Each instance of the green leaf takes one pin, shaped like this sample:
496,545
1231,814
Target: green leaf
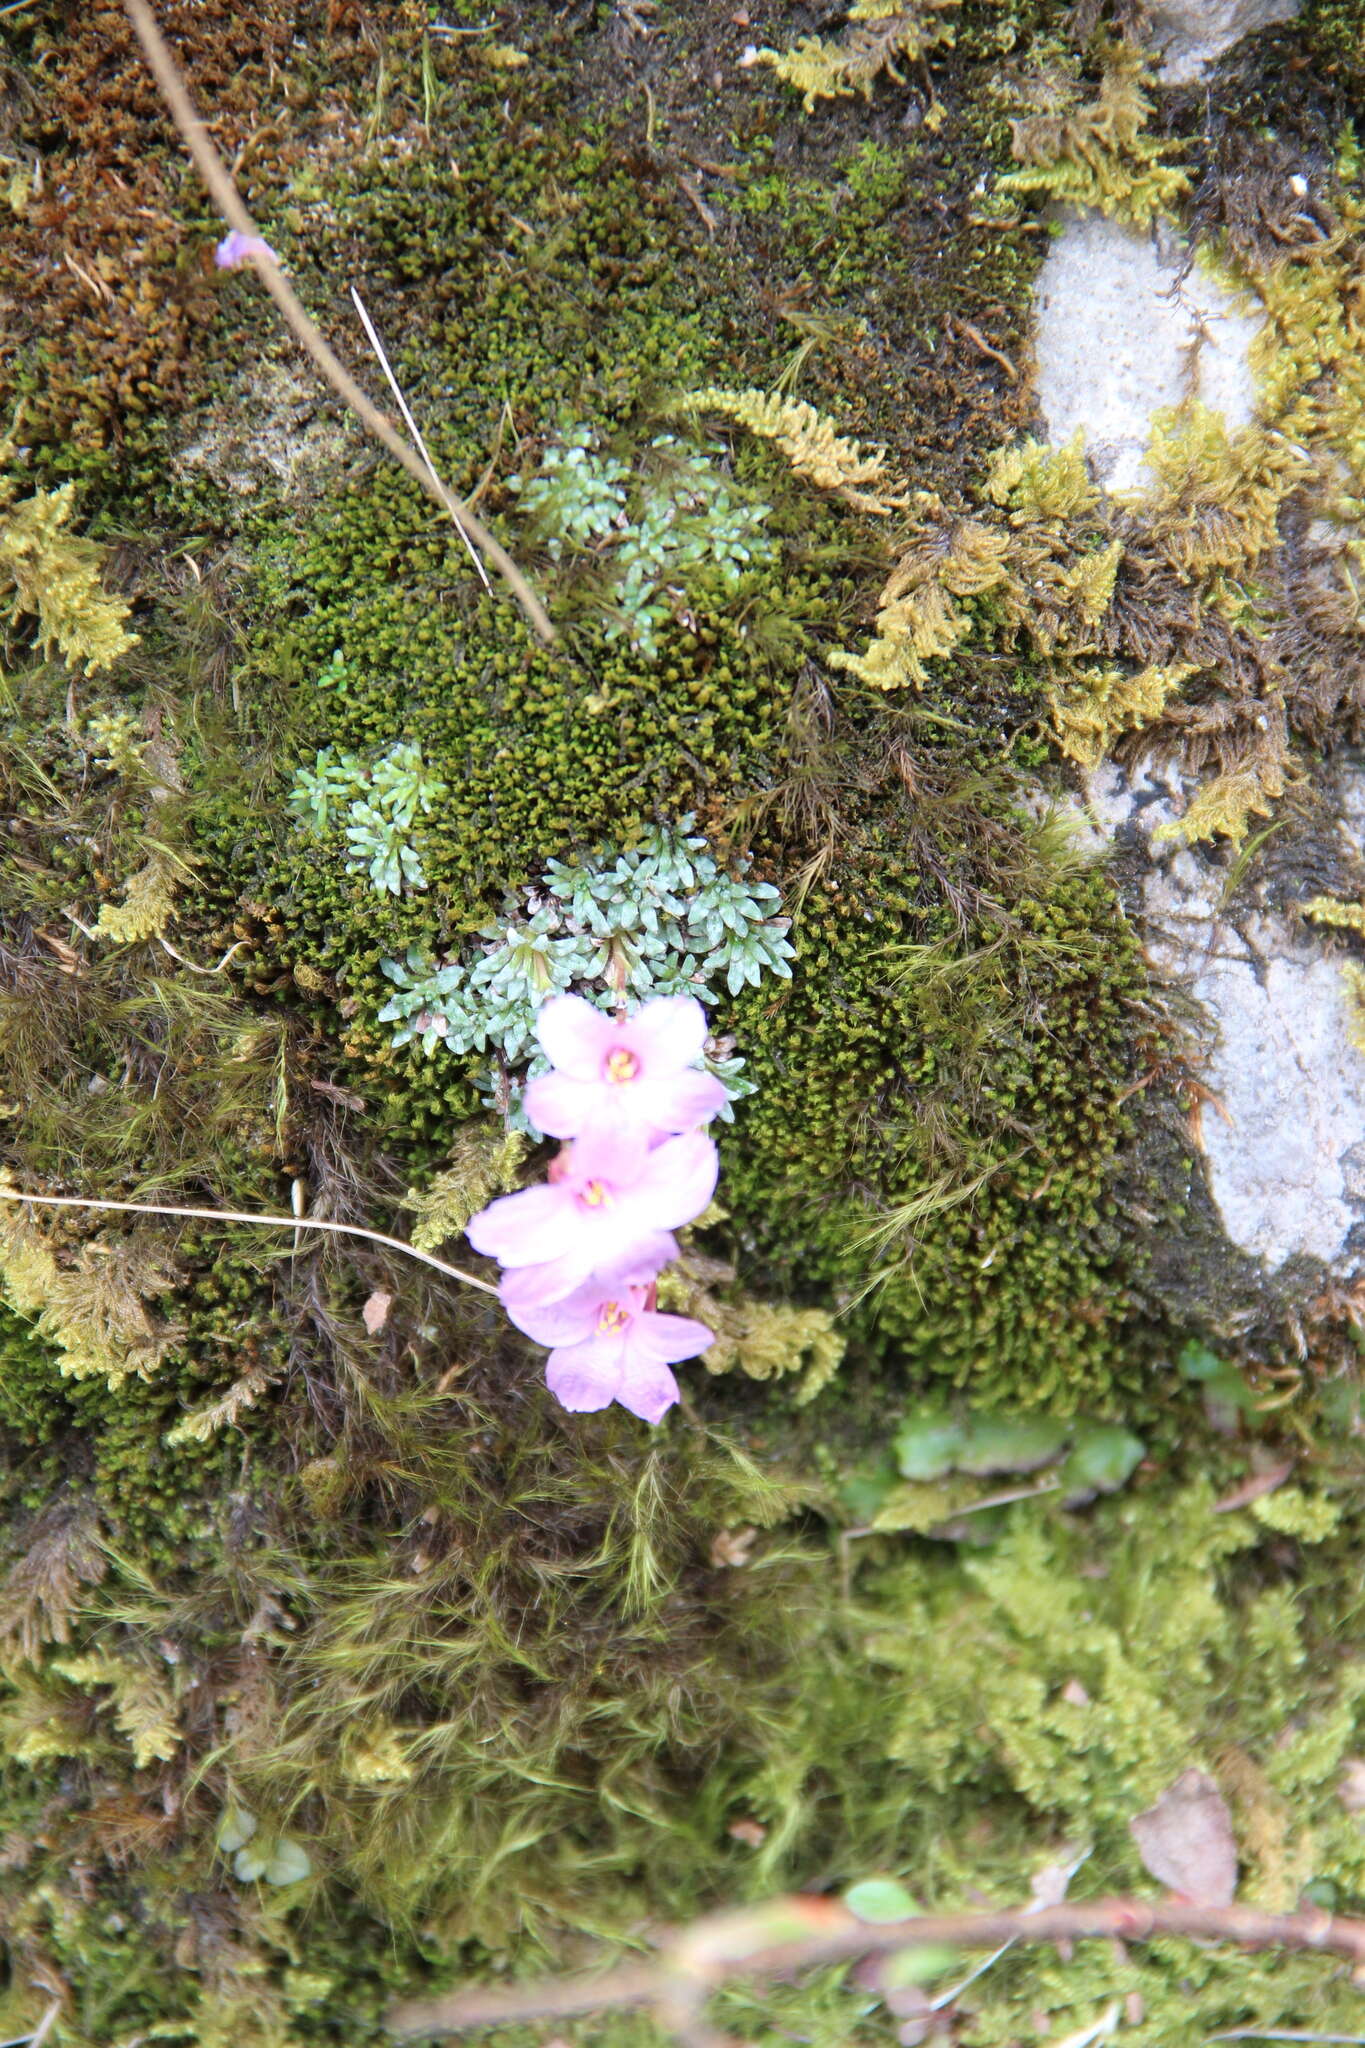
1226,1394
1103,1458
1197,1362
879,1901
927,1443
920,1505
1001,1443
290,1863
278,1862
916,1966
1341,1399
250,1863
862,1493
235,1829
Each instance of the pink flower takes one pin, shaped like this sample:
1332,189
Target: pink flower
612,1348
636,1069
548,1281
608,1207
237,248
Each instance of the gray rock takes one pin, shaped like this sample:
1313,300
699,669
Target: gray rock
279,429
1191,34
1117,330
1284,1141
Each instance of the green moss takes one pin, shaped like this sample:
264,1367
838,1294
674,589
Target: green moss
986,1706
1335,30
1094,154
938,1113
511,1677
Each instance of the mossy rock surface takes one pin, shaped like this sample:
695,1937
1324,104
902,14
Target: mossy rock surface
339,1664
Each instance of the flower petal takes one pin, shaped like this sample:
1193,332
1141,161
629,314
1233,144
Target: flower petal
522,1229
649,1391
585,1377
635,1263
678,1103
666,1035
537,1286
614,1153
656,1339
574,1037
641,1264
678,1180
237,248
566,1321
561,1104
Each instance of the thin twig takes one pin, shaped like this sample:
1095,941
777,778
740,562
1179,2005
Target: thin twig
688,187
377,345
996,355
797,1932
228,200
194,966
46,2023
294,1223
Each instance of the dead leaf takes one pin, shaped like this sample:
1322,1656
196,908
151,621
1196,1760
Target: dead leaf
752,1833
345,1096
1254,1488
1049,1885
375,1313
731,1547
1098,2030
67,958
266,1622
1186,1841
1352,1791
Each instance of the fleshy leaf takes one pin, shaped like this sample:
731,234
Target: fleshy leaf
879,1901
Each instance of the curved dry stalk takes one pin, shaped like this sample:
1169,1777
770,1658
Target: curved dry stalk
228,200
296,1223
797,1932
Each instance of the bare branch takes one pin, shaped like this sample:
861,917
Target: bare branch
798,1932
228,200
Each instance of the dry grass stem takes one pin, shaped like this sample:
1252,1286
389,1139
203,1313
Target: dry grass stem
294,1223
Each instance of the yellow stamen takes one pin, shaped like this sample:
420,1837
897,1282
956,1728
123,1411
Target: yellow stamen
622,1065
611,1318
597,1195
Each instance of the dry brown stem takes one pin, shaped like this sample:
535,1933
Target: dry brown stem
796,1933
295,1223
228,200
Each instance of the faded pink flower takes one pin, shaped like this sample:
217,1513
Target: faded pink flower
638,1265
637,1069
608,1207
612,1348
236,248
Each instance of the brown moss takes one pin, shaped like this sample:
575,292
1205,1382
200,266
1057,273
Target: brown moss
106,277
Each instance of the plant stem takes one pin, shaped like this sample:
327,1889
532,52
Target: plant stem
798,1932
294,1223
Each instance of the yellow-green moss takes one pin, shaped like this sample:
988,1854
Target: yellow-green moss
1094,153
